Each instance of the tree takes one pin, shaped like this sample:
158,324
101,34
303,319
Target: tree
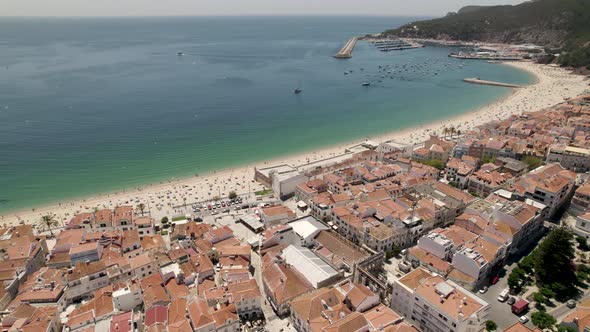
515,278
232,195
582,243
543,320
164,220
141,207
566,329
539,298
547,292
491,326
48,222
435,163
554,265
532,162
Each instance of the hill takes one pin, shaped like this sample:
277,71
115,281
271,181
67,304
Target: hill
557,24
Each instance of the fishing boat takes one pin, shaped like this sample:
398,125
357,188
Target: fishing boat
366,84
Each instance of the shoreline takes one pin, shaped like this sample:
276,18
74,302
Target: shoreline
551,86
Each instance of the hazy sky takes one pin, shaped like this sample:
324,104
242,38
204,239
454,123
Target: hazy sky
234,7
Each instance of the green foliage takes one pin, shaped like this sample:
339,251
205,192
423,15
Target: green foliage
515,277
164,220
554,262
179,218
263,192
164,233
435,163
577,57
565,21
487,160
547,292
232,195
566,329
543,320
532,162
491,326
582,243
527,263
539,298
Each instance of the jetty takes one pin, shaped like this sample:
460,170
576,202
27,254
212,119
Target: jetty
346,50
484,82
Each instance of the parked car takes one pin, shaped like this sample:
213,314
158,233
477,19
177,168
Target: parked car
503,295
571,304
511,301
523,319
494,280
483,290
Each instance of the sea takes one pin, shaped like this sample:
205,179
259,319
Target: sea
90,105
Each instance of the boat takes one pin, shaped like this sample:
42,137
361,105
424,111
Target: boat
366,84
180,54
297,91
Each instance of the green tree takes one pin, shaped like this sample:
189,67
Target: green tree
543,320
141,207
547,292
490,160
539,298
515,277
566,329
48,222
435,163
232,195
491,326
527,263
554,262
532,162
164,220
582,243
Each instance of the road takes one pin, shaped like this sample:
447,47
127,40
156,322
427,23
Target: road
501,311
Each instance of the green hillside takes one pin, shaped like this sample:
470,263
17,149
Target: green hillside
563,25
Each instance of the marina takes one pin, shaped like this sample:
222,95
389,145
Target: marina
387,45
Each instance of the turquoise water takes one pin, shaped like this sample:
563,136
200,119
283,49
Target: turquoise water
93,105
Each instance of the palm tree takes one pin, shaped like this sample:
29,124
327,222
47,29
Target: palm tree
452,131
48,222
445,132
141,207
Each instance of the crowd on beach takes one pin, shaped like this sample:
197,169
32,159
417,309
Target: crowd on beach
177,196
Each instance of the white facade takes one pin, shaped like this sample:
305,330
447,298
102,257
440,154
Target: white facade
436,244
284,184
125,299
313,268
583,226
444,314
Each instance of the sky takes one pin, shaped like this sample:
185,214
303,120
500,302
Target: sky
236,7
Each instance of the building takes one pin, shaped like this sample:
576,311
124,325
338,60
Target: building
314,269
283,283
484,182
550,185
275,215
283,179
570,157
582,227
438,305
128,297
581,200
85,252
84,278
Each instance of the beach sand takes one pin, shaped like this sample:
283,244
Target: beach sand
552,86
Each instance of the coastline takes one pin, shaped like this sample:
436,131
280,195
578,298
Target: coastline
551,87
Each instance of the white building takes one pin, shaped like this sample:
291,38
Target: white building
307,228
571,157
313,268
583,226
85,278
437,305
127,298
436,244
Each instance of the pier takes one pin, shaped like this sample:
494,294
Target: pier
346,50
484,82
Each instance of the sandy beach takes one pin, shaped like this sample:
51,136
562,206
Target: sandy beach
552,86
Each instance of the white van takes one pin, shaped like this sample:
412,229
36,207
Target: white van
503,296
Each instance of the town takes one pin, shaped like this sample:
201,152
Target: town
485,229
